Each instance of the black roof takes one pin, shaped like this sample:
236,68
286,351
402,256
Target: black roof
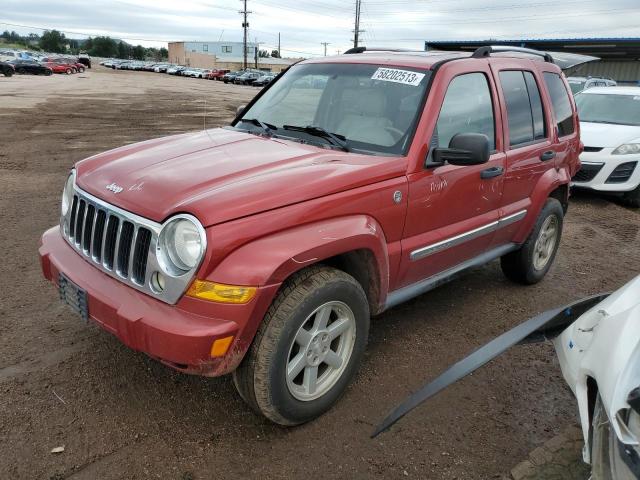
605,48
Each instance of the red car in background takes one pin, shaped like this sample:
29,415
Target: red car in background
217,74
61,65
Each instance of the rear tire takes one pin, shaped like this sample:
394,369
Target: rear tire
632,198
531,262
293,374
68,71
8,72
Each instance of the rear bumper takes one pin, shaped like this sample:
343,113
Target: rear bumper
178,335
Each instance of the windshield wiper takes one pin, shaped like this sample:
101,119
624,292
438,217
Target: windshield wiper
337,140
266,127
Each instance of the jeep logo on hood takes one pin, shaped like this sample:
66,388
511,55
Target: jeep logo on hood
114,188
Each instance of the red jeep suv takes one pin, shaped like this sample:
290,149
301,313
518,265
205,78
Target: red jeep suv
347,186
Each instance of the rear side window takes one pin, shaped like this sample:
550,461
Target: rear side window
561,103
524,107
467,108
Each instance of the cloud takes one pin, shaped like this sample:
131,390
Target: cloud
304,24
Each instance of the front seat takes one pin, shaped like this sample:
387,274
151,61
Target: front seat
365,121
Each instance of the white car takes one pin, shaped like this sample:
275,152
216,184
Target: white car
578,84
600,359
610,131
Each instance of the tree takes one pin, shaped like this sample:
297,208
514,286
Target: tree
123,50
263,53
53,41
275,54
103,47
138,52
164,54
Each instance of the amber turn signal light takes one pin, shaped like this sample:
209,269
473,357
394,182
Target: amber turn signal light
220,346
218,292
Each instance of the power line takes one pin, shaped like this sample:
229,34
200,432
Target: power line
325,47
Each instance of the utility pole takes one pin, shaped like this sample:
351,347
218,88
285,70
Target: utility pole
356,30
325,47
279,54
245,26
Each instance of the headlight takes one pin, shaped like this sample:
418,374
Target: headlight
181,245
627,149
67,193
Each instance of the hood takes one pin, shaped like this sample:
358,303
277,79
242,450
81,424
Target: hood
606,135
219,175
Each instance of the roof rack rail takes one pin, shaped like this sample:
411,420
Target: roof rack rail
484,52
377,49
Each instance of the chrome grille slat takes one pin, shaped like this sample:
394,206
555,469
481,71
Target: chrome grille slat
79,223
116,248
94,228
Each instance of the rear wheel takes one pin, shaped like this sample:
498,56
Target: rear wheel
68,71
308,347
608,454
8,72
48,72
632,198
531,262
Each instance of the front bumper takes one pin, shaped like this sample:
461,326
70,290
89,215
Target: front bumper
178,335
597,170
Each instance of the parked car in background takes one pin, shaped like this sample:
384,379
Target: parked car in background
579,84
610,131
7,69
176,70
246,78
230,76
31,67
162,67
279,236
58,65
217,74
263,80
203,73
85,59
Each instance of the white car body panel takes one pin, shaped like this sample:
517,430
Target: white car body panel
604,345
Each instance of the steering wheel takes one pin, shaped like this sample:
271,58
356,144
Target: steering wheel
397,134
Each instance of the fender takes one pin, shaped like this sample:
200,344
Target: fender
272,259
551,180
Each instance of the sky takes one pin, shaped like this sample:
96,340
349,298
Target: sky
305,24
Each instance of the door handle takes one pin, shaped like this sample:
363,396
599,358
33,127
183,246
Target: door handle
550,155
491,172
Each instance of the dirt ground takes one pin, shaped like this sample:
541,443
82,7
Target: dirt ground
119,414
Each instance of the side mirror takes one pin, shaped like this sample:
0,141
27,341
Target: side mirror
240,109
464,149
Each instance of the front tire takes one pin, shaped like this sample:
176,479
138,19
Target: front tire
607,453
308,347
531,262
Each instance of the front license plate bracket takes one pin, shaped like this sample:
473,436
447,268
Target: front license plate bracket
74,296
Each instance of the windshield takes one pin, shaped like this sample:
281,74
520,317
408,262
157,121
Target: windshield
609,108
576,85
373,108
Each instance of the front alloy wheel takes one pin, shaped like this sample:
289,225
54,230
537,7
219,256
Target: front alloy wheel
320,351
308,347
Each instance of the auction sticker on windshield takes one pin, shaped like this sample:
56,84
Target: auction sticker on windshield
398,76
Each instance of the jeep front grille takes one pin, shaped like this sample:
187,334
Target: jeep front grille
121,244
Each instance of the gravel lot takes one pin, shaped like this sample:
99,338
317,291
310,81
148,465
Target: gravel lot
119,414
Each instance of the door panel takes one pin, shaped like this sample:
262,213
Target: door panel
529,158
452,209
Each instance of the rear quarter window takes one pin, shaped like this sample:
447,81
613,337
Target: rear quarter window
560,103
